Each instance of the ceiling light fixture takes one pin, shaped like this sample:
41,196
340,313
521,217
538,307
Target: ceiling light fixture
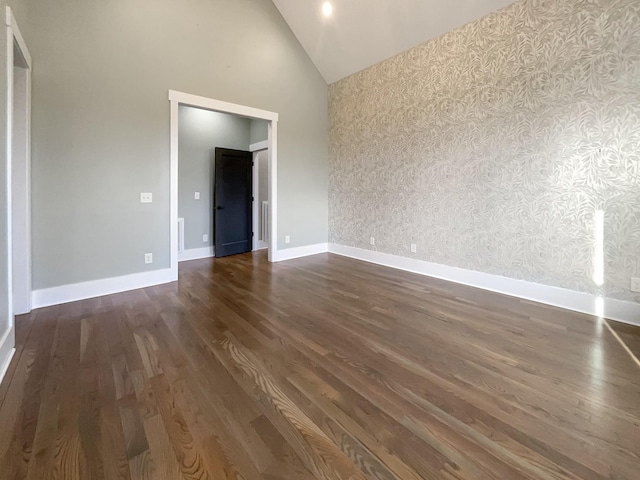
327,9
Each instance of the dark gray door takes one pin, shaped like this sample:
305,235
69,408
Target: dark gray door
232,221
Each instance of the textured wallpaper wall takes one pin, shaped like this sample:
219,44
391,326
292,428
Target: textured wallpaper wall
494,147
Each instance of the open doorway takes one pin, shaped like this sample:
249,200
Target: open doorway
18,186
215,188
266,121
21,178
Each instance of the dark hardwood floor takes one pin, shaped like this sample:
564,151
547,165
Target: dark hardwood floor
318,368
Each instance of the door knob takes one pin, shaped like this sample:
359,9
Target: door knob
219,207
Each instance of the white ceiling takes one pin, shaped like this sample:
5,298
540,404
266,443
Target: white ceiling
361,33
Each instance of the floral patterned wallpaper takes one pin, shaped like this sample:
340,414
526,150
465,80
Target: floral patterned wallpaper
493,147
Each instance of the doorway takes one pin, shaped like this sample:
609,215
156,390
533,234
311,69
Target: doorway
21,179
178,99
18,187
201,132
19,166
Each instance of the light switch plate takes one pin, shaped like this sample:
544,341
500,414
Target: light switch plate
196,195
146,198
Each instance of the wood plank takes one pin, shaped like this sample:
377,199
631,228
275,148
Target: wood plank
321,367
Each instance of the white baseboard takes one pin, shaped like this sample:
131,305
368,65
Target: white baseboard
195,254
627,312
260,245
7,349
298,252
97,288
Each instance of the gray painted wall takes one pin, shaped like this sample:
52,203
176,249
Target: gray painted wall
101,123
494,146
259,130
200,132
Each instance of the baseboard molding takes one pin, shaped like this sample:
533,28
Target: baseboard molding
195,254
627,312
7,349
298,252
98,288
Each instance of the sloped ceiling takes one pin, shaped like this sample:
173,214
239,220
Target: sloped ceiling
361,33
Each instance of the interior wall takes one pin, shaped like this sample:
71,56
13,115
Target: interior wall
199,133
259,130
494,147
101,123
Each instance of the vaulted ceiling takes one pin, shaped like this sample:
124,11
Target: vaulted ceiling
361,33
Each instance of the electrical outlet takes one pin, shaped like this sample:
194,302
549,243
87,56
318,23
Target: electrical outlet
372,240
287,239
148,258
196,196
146,198
205,238
414,248
635,284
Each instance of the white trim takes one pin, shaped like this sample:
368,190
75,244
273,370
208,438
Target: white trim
9,173
11,22
255,194
298,252
195,254
272,172
7,343
180,237
627,312
173,193
180,98
220,106
255,147
99,288
7,350
21,190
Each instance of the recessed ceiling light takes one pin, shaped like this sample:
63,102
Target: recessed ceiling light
327,9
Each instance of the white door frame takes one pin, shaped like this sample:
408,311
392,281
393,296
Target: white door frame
18,170
180,98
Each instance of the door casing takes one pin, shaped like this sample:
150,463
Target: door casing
176,99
